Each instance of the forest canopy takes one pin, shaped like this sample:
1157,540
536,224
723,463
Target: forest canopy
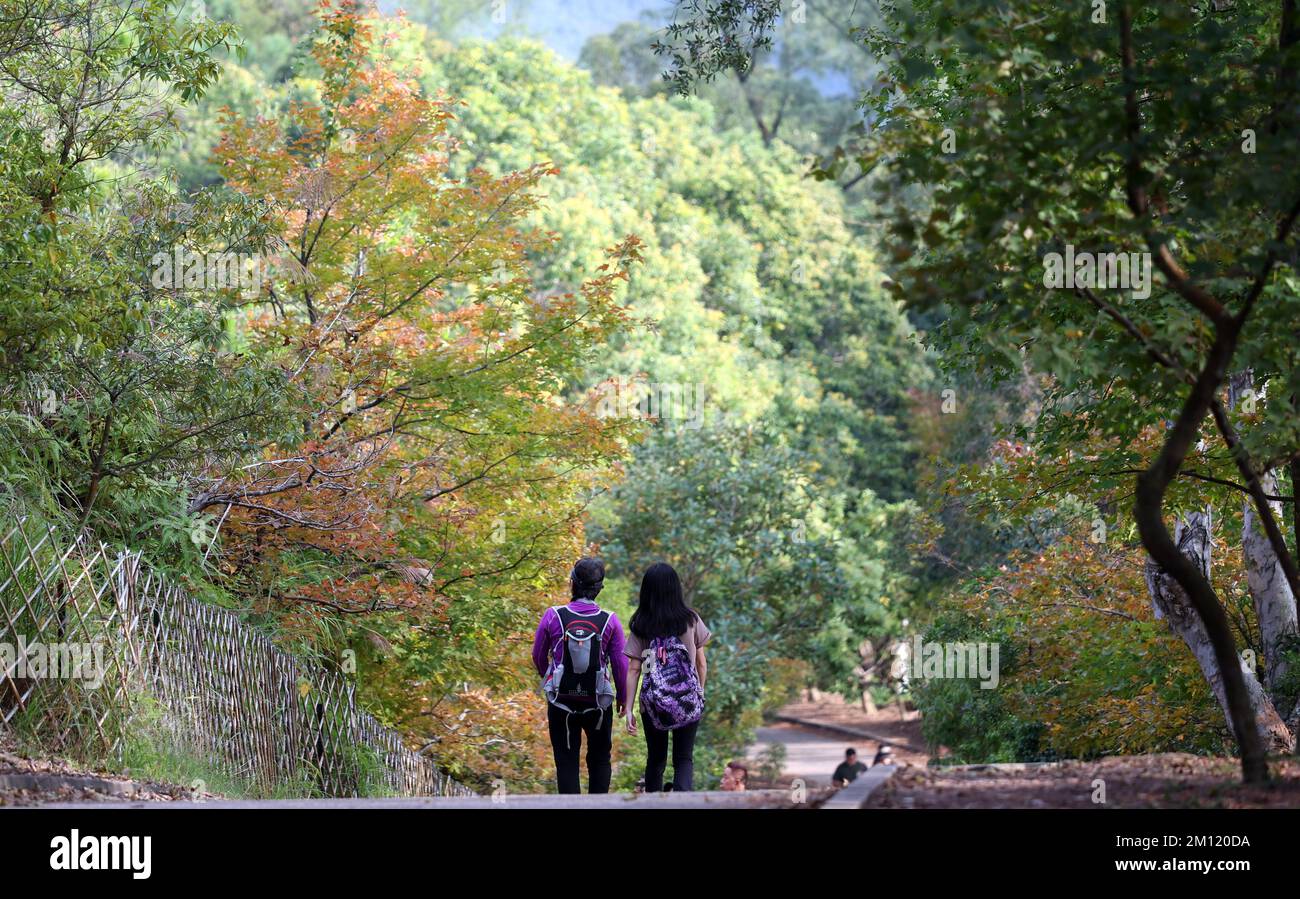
962,323
367,333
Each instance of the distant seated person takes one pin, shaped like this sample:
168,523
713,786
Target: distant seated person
735,777
884,755
848,770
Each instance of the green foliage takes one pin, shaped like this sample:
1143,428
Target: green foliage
128,405
771,762
117,389
757,290
731,510
629,760
772,567
791,90
150,755
758,297
1083,670
786,679
976,725
1004,138
1015,120
1013,138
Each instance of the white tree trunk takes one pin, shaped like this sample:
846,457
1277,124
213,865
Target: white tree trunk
1193,536
1275,606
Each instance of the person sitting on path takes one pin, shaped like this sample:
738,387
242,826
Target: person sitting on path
735,777
848,770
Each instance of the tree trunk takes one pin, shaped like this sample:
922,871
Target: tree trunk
1149,515
1270,592
868,704
1275,606
1193,538
1294,468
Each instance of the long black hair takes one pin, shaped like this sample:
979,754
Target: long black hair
662,609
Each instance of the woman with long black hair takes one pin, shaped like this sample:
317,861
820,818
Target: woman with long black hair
667,640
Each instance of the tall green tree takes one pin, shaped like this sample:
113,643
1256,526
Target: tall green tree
795,88
1161,131
779,569
117,388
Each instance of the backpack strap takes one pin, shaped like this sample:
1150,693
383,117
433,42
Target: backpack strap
609,616
600,638
557,651
564,612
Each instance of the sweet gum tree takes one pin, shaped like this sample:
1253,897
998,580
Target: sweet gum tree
439,469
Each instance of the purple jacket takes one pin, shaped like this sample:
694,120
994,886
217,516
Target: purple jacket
546,644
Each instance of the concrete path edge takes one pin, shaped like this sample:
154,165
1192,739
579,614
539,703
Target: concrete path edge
856,794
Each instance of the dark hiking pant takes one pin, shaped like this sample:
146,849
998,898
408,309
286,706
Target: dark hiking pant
566,740
656,758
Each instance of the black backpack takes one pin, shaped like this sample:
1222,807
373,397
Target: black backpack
577,680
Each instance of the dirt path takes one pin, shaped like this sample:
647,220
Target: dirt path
26,781
1169,780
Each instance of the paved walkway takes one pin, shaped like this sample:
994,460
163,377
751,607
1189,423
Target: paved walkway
810,755
750,799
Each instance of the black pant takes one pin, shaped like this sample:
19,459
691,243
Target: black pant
656,757
566,741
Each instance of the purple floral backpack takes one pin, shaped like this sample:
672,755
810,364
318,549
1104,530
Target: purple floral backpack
671,695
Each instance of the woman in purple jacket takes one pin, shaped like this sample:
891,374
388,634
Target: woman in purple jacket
573,645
